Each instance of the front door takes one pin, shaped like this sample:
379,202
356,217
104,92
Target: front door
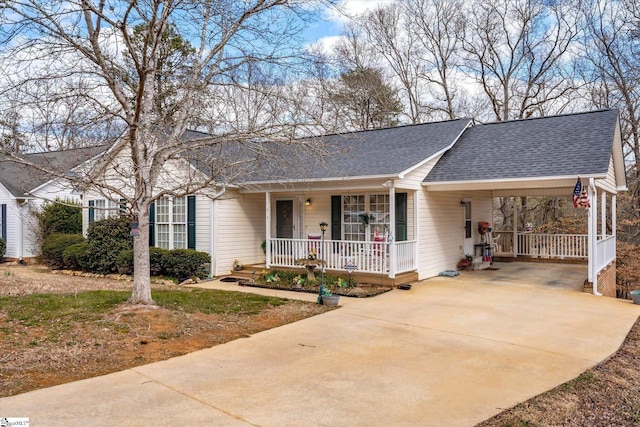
284,219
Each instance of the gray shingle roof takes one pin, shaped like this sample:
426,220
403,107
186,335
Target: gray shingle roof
573,144
19,179
380,152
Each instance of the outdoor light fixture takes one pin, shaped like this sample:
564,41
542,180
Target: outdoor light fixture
307,202
323,228
463,203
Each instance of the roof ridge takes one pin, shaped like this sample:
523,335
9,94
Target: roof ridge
66,150
407,125
604,110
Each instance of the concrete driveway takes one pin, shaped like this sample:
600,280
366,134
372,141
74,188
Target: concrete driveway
451,351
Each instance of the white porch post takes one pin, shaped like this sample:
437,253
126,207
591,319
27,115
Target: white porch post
267,215
603,214
416,229
392,232
515,227
614,214
592,193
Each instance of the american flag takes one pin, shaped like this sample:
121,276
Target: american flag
576,193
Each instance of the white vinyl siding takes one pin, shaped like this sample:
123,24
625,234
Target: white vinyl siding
239,224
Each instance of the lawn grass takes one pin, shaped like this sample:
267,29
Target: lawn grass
40,309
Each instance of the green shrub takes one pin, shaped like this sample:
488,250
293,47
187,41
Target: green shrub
185,263
53,248
75,257
157,258
3,248
124,262
107,238
60,217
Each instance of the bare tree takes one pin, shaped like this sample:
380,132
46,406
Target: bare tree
515,48
83,41
612,69
439,27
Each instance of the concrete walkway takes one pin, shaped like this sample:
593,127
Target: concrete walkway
449,352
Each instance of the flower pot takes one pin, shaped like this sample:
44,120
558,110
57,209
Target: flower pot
330,300
635,296
237,268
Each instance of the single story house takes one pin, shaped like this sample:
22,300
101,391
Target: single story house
24,188
403,203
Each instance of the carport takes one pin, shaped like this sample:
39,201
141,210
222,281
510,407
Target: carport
504,160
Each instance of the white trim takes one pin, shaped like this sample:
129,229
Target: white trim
267,216
212,245
510,180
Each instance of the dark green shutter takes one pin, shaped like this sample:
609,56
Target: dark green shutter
3,218
92,211
191,222
152,224
123,207
336,217
401,217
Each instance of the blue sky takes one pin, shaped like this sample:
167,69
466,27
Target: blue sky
334,19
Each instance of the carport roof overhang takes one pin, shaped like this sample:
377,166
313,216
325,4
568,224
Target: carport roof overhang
551,185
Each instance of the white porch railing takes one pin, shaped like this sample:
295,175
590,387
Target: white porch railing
543,245
606,251
368,257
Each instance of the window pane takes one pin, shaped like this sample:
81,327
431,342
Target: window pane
179,236
162,210
99,211
179,210
353,208
380,217
162,236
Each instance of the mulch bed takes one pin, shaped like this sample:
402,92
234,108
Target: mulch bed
360,291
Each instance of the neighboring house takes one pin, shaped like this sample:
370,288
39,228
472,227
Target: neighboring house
23,189
404,203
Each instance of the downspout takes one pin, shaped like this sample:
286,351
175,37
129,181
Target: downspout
593,231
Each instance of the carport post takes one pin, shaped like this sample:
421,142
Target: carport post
515,228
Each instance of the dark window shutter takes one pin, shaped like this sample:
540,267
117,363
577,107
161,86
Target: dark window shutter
92,211
191,222
152,224
401,217
3,218
336,217
123,208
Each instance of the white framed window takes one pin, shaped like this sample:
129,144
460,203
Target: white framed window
101,209
353,207
379,214
171,223
374,206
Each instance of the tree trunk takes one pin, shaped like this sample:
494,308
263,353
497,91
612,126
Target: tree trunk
141,292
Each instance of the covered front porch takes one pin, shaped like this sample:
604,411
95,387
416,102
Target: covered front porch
371,231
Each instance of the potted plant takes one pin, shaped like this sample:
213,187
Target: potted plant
328,298
237,265
635,296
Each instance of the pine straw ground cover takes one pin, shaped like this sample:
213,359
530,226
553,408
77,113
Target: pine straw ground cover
58,328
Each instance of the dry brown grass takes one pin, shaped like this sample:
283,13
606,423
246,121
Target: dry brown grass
37,354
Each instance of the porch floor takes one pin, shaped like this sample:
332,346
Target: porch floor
533,274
